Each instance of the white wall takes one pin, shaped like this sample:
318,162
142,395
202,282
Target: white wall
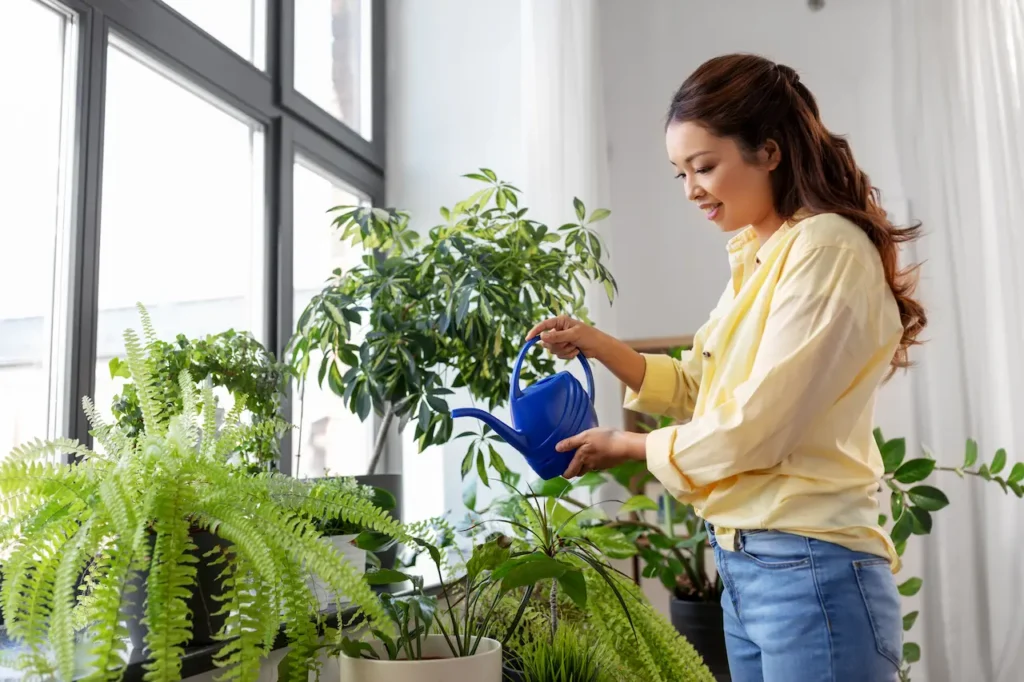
672,268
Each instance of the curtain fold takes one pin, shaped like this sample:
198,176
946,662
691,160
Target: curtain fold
566,150
959,67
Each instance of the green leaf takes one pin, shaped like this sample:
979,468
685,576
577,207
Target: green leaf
1016,473
910,587
612,542
486,557
970,453
922,521
467,461
372,541
1016,488
928,498
915,470
497,462
481,469
386,576
574,584
984,472
998,462
555,487
909,620
119,368
911,652
469,493
879,438
896,505
490,174
893,453
581,211
532,572
903,528
638,503
599,215
590,480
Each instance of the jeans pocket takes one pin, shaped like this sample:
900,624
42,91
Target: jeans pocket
882,601
775,550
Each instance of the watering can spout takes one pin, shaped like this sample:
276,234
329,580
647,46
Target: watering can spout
506,432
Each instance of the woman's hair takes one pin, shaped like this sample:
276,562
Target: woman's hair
751,99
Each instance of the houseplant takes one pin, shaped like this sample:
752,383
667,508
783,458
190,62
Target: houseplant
350,538
126,524
234,361
446,308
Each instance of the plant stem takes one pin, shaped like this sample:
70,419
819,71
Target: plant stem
519,614
302,409
553,600
378,446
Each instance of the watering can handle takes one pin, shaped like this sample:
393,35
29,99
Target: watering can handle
517,392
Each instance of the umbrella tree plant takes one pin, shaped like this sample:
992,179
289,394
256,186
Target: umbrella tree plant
444,309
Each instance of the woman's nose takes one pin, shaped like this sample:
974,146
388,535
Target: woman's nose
693,190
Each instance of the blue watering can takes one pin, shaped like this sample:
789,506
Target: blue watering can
548,411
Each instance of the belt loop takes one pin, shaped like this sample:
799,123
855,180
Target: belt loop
737,540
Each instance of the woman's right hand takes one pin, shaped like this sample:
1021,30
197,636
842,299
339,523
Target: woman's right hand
566,337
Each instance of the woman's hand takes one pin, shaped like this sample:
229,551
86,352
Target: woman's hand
566,337
602,448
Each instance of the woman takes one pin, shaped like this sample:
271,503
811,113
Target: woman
778,456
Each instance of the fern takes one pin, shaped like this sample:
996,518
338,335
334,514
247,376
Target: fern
657,652
126,519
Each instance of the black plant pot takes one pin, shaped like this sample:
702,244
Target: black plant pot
700,622
510,666
393,484
201,602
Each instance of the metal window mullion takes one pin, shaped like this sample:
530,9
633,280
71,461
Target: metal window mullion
85,239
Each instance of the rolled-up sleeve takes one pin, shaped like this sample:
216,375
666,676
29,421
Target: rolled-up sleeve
817,339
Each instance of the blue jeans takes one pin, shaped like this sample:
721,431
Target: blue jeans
803,610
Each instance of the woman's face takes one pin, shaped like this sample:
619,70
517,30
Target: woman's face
731,189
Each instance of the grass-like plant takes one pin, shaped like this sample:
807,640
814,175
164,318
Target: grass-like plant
128,515
569,657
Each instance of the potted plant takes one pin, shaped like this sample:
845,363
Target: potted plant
443,309
234,361
350,538
571,656
160,529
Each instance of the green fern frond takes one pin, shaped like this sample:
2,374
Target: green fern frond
143,378
325,502
247,611
148,331
108,635
209,419
172,573
190,410
110,437
62,634
657,652
51,451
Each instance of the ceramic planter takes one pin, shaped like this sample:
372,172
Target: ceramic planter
352,554
485,666
393,484
700,622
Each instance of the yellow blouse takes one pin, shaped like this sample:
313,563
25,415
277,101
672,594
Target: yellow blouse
779,389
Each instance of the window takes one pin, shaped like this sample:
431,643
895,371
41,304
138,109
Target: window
182,220
333,440
37,50
333,59
239,24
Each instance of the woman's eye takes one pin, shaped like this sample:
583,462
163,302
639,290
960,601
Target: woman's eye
706,169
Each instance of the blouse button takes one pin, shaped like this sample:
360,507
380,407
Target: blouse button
707,354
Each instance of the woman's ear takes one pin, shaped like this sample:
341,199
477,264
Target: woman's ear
770,155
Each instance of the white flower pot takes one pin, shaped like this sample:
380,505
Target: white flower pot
485,666
351,553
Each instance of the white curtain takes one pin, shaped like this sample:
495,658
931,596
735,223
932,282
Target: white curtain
565,139
960,125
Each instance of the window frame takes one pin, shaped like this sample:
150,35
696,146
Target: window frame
292,124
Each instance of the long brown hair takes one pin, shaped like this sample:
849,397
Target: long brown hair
753,100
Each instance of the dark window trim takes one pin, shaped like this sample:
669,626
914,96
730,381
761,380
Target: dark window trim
370,151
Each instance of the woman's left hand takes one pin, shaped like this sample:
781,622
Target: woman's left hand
602,448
